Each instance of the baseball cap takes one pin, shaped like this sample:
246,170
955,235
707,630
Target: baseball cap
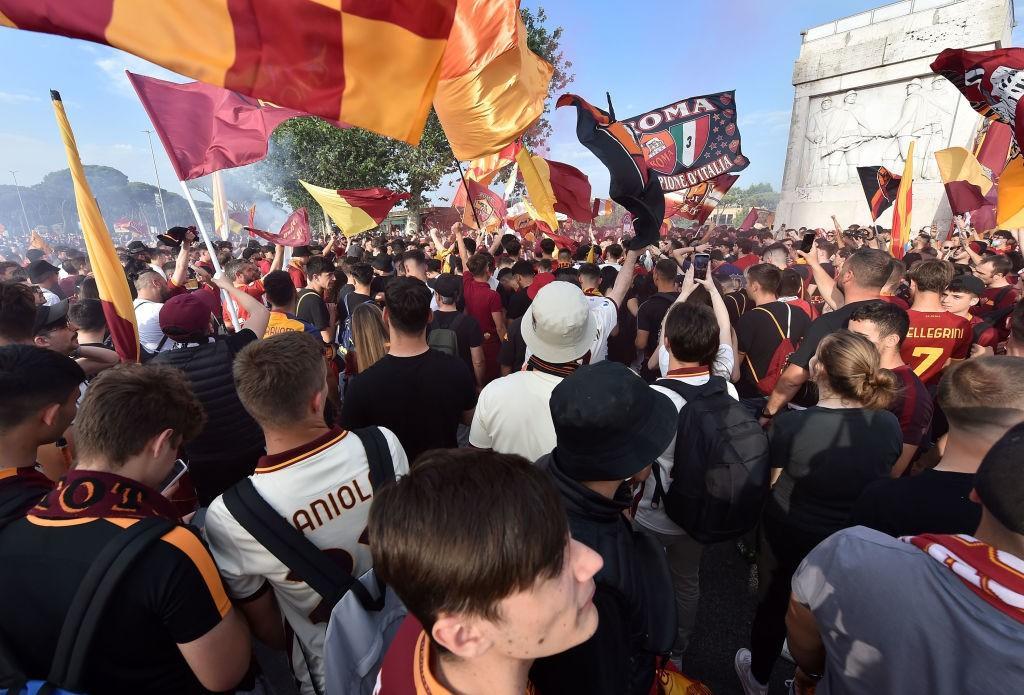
137,247
448,285
49,314
558,327
726,270
541,281
186,315
38,270
967,283
609,424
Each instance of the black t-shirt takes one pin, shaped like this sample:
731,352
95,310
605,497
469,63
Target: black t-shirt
819,328
737,303
421,399
518,303
758,337
172,595
929,502
311,308
828,456
512,353
20,490
650,315
467,331
380,283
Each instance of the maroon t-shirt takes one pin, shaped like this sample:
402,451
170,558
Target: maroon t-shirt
913,406
481,302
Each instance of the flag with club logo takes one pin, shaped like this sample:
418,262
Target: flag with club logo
691,141
372,64
355,210
478,202
880,187
992,81
111,282
697,202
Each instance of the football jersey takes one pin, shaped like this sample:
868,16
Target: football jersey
323,490
934,338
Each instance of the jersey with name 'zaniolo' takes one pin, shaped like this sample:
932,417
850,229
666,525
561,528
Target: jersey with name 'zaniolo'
323,490
934,338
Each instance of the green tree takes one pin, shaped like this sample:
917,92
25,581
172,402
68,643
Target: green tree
547,44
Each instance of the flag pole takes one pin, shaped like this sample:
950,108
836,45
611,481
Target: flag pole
469,196
225,297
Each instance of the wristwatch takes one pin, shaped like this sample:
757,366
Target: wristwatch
765,414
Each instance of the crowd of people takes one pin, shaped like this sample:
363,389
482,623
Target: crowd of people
530,447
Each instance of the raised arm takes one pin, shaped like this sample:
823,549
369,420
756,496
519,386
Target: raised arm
463,253
259,315
624,279
181,262
827,286
278,261
721,313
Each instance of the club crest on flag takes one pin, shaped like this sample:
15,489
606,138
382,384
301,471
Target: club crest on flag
691,141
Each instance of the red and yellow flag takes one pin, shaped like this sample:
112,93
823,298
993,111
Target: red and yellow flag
904,203
492,86
540,195
484,169
111,281
355,210
371,63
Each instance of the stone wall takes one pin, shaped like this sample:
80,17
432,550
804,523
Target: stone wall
864,91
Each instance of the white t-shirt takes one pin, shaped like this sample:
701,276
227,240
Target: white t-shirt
49,298
654,518
147,315
323,489
725,359
607,316
512,415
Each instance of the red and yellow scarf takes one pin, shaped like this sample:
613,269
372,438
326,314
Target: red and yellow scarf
92,494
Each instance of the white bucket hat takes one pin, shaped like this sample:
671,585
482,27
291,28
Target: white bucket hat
558,327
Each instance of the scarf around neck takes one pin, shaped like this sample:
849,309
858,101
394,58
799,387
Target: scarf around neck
994,575
91,494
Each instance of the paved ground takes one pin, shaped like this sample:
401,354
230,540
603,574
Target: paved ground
727,604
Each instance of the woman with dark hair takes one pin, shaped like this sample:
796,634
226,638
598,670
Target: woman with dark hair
822,457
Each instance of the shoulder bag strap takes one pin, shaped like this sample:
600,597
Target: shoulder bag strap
93,596
774,320
378,455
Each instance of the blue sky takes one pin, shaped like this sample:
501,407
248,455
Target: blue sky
645,52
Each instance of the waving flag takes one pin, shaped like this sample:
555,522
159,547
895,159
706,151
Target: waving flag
484,169
994,148
222,222
602,207
492,86
991,80
36,242
904,204
966,182
537,177
206,128
632,186
111,282
572,191
371,63
358,209
294,232
697,202
880,187
480,203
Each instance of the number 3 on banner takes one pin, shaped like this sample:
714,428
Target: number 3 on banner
931,356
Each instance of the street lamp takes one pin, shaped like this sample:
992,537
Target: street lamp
28,227
159,190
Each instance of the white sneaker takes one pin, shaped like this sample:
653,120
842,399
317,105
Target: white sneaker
747,680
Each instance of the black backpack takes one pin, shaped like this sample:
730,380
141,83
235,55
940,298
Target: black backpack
721,464
446,340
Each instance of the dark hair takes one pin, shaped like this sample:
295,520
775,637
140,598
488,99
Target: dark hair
790,283
511,245
568,275
32,378
871,268
692,333
608,275
470,244
1001,265
613,251
87,315
767,276
129,404
666,269
317,265
547,245
999,481
931,276
454,536
889,318
524,268
17,311
478,264
983,392
279,288
88,289
408,304
434,265
590,271
415,255
276,377
567,252
361,273
745,245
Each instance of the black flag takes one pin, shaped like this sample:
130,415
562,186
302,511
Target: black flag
880,187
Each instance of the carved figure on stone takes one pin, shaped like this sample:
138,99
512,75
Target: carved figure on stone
815,171
921,118
848,130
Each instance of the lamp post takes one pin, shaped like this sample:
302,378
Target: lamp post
28,227
159,190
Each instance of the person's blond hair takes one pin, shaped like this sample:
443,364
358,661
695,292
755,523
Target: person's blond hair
849,365
369,334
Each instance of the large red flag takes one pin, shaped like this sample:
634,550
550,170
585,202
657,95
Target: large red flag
294,232
206,128
989,79
749,220
994,149
489,207
572,191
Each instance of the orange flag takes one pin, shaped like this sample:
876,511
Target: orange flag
904,203
111,281
492,86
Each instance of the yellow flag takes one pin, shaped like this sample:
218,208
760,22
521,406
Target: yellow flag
904,203
222,222
541,197
111,282
355,210
1010,208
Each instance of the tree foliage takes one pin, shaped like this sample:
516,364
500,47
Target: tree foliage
546,43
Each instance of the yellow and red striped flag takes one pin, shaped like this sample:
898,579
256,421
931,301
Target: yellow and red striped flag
484,169
355,210
904,203
540,195
492,86
111,281
370,63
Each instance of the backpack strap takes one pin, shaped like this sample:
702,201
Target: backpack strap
457,321
378,454
97,588
782,335
690,392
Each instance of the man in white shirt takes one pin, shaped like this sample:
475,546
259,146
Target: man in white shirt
316,477
697,342
152,290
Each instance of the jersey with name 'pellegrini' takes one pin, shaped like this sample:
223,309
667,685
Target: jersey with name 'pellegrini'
934,338
323,490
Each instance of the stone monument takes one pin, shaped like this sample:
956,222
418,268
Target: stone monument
864,91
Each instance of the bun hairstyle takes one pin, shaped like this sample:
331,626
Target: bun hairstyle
848,364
